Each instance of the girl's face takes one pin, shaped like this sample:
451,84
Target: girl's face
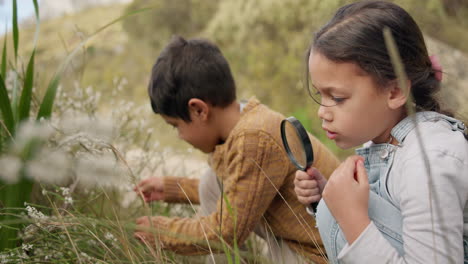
360,111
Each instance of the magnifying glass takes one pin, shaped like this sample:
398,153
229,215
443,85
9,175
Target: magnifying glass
298,146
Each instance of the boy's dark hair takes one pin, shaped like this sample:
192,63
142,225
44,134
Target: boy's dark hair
186,69
355,34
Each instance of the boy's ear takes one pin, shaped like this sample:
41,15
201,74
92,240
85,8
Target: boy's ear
198,109
398,96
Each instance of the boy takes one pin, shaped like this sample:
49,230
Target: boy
192,88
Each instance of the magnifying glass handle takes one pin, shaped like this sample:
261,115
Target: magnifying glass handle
314,207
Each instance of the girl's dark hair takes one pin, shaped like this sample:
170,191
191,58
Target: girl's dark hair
355,34
187,69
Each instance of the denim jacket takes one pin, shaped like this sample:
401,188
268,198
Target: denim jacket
418,213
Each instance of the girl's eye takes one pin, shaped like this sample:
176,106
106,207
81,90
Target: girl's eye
338,99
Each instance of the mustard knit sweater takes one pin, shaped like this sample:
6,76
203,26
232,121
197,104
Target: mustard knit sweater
257,183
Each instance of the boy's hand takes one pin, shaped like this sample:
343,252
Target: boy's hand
142,233
152,189
309,185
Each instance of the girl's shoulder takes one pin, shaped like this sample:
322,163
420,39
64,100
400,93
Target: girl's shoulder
435,138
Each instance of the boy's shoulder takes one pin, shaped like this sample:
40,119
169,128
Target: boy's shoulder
258,117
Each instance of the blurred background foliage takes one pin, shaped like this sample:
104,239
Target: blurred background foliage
264,41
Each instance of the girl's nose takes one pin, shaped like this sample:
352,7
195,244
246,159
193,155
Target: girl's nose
324,113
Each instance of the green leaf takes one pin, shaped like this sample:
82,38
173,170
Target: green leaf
25,100
4,58
38,22
15,28
36,8
2,143
5,106
15,96
45,110
13,197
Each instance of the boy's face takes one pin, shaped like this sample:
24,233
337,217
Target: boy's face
197,133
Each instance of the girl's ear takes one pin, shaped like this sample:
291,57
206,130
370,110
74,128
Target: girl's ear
198,109
398,96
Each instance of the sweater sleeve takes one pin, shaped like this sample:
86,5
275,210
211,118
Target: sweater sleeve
181,190
432,209
254,172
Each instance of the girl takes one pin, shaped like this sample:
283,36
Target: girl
404,198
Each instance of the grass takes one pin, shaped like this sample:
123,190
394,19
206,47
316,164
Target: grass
91,222
85,223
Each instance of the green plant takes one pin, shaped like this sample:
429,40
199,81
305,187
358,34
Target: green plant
14,111
16,108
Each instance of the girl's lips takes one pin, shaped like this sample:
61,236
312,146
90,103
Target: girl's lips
331,135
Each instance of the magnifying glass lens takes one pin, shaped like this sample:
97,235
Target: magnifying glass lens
296,146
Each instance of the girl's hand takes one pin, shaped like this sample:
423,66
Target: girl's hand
347,197
152,189
309,186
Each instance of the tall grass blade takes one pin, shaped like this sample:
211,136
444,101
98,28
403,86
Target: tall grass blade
5,107
26,94
14,196
38,22
15,29
233,214
15,96
399,69
4,58
45,110
7,192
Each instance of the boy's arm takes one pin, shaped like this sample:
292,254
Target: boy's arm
181,190
257,168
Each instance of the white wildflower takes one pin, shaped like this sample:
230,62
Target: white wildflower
26,247
102,129
11,166
23,256
68,200
29,131
49,167
30,232
103,171
65,191
85,256
35,214
92,243
4,258
109,236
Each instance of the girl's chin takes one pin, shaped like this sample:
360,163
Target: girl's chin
344,145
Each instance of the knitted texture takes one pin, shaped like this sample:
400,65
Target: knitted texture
257,183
